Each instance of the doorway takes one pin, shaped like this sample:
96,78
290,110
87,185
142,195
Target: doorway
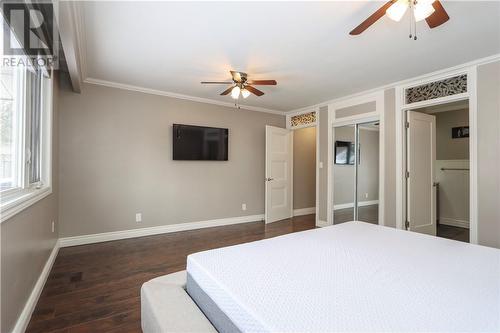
437,170
356,155
290,172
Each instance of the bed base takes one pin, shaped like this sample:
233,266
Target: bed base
167,307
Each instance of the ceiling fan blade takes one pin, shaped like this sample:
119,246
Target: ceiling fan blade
254,91
227,91
372,19
237,75
263,82
215,82
439,16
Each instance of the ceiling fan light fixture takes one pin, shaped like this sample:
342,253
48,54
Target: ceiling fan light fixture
245,93
422,10
397,10
235,93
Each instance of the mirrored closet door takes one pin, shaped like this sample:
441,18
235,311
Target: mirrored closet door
356,173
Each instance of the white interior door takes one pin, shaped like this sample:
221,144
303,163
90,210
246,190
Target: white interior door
421,157
279,177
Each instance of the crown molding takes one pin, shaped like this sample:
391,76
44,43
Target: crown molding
117,85
477,62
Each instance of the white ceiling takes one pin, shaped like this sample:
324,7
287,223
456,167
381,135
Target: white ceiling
305,46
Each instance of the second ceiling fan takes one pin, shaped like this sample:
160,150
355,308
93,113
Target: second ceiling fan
242,86
431,10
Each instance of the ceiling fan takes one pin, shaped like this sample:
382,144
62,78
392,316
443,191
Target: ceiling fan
240,85
431,10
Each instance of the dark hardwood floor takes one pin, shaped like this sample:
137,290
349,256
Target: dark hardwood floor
370,214
96,287
366,214
450,232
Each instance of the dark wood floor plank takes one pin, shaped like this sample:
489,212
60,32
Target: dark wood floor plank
96,287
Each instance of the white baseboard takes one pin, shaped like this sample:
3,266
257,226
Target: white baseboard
304,211
29,307
351,204
140,232
322,224
454,222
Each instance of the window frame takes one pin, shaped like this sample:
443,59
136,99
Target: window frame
14,200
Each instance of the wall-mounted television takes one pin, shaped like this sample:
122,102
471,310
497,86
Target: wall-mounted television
198,143
345,153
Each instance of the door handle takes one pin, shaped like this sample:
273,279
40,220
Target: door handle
269,179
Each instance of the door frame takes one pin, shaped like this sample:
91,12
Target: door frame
315,124
402,106
376,115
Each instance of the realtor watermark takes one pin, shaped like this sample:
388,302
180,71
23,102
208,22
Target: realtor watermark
30,36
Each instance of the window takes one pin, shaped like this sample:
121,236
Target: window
25,115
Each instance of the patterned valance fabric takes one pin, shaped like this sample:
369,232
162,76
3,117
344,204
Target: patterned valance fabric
303,119
447,87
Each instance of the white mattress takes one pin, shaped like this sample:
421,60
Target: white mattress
353,277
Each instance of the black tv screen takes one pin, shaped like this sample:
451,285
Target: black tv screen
197,143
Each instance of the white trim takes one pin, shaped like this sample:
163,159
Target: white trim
304,211
317,167
356,119
117,85
25,316
18,199
379,98
23,201
351,204
401,106
473,160
132,233
68,19
436,101
322,224
81,38
454,222
477,62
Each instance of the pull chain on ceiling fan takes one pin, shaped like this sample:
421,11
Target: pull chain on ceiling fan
241,86
432,11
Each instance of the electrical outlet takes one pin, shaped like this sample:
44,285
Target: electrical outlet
321,165
366,195
53,226
244,206
138,217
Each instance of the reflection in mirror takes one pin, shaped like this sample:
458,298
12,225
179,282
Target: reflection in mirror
343,174
368,172
356,187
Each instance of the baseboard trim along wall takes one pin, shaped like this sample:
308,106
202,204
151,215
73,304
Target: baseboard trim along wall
322,224
140,232
351,204
454,222
29,307
304,211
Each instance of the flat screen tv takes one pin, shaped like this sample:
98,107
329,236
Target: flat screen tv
344,153
197,143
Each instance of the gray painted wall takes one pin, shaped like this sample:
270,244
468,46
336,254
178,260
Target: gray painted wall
304,168
356,109
446,147
323,158
116,161
368,176
488,121
390,157
27,241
